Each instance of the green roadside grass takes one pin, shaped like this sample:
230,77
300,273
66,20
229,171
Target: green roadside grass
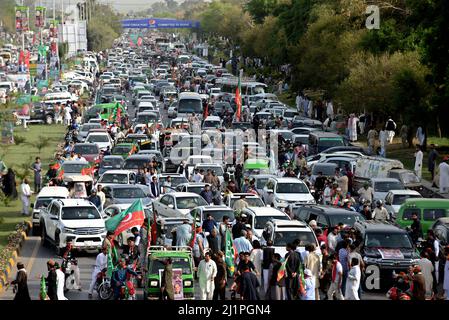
16,156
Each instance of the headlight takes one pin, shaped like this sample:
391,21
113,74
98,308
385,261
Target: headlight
67,230
311,202
153,283
280,201
187,283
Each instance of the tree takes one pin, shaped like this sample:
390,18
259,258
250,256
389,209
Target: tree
260,9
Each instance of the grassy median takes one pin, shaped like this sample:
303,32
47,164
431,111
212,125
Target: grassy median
22,155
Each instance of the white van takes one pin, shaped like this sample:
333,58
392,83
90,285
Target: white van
43,199
188,103
59,97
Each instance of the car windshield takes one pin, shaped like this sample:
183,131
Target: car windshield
157,265
111,163
291,188
409,177
325,169
123,193
252,202
196,190
121,149
193,161
190,106
218,170
79,213
190,202
97,138
73,167
87,127
175,181
261,182
302,140
84,149
114,178
346,219
284,237
135,163
387,186
42,202
261,221
218,214
388,240
145,118
330,142
400,199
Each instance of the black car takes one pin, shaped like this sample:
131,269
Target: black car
325,216
42,113
386,250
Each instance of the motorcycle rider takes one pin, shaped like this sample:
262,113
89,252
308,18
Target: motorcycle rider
67,257
120,278
380,213
101,262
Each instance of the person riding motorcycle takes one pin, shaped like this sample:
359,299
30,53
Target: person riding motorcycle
120,279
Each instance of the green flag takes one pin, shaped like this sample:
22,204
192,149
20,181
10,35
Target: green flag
230,253
43,289
110,265
281,271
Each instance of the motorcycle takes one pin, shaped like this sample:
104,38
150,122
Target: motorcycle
103,286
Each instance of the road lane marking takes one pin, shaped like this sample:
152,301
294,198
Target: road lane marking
33,255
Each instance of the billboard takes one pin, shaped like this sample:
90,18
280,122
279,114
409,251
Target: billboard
154,23
40,17
22,18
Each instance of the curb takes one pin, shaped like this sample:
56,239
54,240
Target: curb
5,274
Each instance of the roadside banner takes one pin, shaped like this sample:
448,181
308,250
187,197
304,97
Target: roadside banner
22,14
39,21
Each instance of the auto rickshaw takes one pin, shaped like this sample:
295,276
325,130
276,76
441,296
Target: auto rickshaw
80,187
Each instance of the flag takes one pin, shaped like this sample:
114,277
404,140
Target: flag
127,219
153,234
230,253
110,264
88,170
139,41
238,99
302,282
60,173
193,238
43,289
281,272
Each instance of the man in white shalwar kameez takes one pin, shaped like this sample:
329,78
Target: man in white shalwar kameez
207,270
101,262
444,175
353,281
352,127
418,162
60,282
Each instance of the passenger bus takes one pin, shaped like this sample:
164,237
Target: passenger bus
250,88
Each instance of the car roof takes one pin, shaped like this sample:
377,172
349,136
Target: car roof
384,180
118,172
288,180
215,208
75,202
404,192
374,226
290,224
53,192
266,211
444,220
183,194
247,195
427,201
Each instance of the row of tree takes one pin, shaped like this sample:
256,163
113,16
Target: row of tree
400,69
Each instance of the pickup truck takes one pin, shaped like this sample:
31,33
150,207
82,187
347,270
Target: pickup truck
72,219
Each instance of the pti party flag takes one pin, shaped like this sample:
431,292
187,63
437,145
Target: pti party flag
153,230
139,41
238,99
110,264
43,289
281,272
302,282
230,252
127,219
193,238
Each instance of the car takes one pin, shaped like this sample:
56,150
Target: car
304,130
77,220
441,230
280,192
382,186
212,122
428,211
125,149
182,264
320,141
177,204
117,177
74,167
126,193
84,129
386,247
260,180
407,177
251,199
90,151
282,232
217,212
138,161
325,216
195,187
259,216
43,199
101,139
395,198
176,179
110,163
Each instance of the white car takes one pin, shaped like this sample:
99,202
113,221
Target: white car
101,139
284,191
177,204
259,216
395,198
43,199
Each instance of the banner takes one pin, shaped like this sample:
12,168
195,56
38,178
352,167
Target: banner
40,17
178,287
33,69
22,18
152,23
53,28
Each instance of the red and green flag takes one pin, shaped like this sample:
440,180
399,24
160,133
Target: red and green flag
193,238
230,253
238,99
110,263
133,216
281,271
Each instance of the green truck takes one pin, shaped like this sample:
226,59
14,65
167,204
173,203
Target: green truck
125,149
182,260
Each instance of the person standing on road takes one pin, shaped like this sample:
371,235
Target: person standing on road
207,271
418,161
21,281
444,175
221,277
60,282
313,264
353,281
371,136
352,126
427,269
383,140
101,262
25,197
390,127
337,275
37,168
433,156
51,281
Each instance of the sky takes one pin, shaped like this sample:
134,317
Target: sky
120,5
